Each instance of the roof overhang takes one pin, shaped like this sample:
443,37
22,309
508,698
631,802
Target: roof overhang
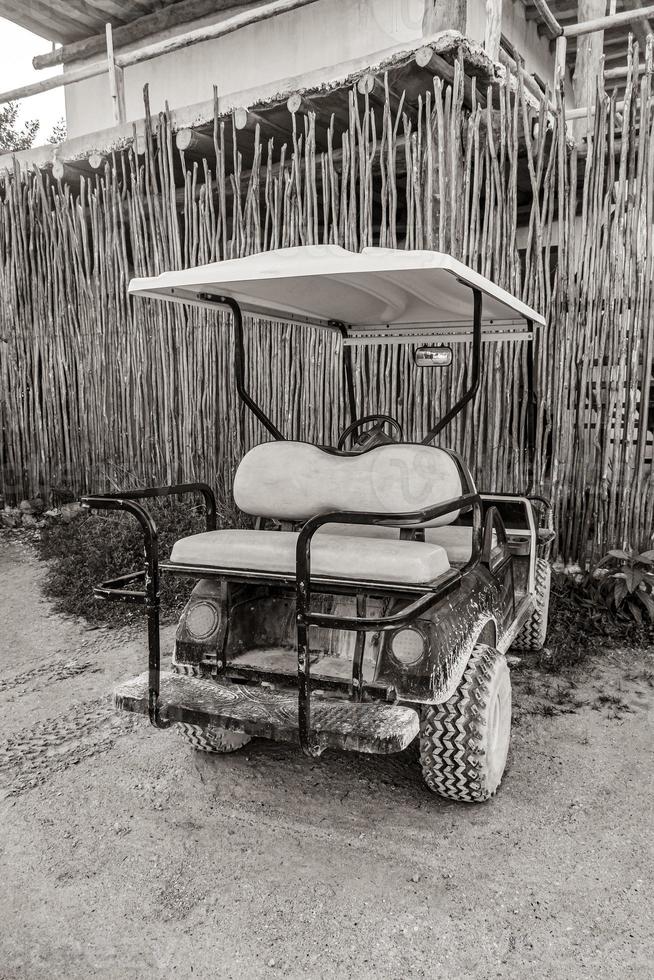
378,294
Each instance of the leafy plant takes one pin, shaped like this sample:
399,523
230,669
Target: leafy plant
627,583
11,137
59,132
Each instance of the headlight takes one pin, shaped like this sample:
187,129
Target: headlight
202,619
408,646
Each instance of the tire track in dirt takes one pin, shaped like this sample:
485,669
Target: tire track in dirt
44,674
33,755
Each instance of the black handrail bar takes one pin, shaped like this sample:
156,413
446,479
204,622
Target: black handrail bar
306,618
144,493
150,597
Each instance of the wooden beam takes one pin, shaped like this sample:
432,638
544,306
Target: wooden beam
613,59
111,10
65,170
54,81
550,23
601,23
611,73
194,143
493,32
303,104
248,119
121,10
533,13
427,58
371,85
582,111
616,42
40,19
168,17
76,11
640,25
529,81
211,32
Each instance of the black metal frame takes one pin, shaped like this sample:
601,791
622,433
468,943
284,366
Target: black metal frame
473,387
149,596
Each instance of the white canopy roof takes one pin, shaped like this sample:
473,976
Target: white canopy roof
369,291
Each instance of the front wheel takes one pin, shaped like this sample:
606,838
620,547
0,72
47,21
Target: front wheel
464,742
217,741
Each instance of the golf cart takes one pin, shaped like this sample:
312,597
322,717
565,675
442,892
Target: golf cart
374,599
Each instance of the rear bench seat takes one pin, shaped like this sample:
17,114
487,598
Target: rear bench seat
332,556
293,481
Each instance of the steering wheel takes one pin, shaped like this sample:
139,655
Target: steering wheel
380,420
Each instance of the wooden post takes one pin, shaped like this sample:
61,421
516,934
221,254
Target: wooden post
116,86
444,15
588,61
493,33
559,63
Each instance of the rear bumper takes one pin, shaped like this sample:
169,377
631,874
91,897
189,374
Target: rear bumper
357,726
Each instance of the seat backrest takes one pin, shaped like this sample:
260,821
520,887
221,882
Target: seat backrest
293,481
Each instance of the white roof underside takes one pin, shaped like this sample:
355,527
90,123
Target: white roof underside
376,288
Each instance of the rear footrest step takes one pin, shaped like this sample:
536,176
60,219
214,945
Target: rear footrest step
362,727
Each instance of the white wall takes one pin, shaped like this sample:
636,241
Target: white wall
311,39
319,35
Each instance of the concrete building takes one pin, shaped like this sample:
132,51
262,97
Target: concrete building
256,55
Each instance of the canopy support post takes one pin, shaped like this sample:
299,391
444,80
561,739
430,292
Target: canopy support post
476,371
239,364
347,369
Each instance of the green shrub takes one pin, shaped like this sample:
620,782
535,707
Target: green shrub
96,547
627,584
582,624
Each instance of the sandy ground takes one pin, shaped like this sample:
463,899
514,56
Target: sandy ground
125,854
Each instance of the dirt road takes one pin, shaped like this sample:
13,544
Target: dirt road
124,854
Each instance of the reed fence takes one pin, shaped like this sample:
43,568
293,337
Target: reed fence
96,389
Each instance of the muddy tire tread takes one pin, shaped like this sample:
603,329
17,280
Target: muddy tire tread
452,752
533,633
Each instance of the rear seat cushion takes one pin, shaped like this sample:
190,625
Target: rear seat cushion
456,539
332,556
294,481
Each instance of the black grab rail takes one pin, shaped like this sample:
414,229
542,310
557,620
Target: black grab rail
306,618
149,596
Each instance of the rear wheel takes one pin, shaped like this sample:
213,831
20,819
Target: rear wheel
534,631
215,740
464,742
